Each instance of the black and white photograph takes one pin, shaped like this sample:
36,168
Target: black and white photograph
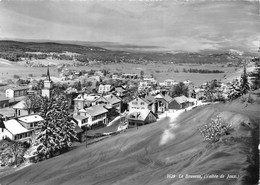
129,92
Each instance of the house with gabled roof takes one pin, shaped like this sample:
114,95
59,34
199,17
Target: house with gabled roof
120,91
140,103
22,128
91,116
20,109
84,100
110,99
15,131
162,102
140,117
180,102
16,91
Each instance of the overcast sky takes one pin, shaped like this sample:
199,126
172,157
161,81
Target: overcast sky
191,25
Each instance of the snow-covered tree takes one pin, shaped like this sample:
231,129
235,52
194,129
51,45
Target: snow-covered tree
57,130
13,153
244,83
235,90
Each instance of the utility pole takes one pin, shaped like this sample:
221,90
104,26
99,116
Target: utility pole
86,136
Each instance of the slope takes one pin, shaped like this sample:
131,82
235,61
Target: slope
150,154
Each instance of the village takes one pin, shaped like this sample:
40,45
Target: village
102,104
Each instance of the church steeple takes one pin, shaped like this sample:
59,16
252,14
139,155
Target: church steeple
48,77
46,91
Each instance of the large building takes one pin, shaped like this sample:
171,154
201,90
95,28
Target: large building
89,117
22,129
157,104
16,92
87,100
140,103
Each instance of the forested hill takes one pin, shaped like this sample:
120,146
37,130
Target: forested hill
14,51
45,47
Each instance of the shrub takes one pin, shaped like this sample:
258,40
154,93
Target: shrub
16,76
213,131
243,99
250,99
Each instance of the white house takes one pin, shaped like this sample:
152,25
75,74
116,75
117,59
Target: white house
140,104
92,116
104,88
22,128
30,122
84,100
16,92
82,120
169,82
15,131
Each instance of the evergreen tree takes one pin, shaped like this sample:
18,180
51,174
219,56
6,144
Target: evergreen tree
244,84
235,90
179,89
57,130
142,74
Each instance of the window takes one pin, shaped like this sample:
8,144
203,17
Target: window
134,103
142,103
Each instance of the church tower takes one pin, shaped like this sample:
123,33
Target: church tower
46,91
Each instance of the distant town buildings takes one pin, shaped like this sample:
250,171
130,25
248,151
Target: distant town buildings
169,82
130,76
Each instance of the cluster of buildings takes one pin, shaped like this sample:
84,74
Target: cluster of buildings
22,126
92,109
